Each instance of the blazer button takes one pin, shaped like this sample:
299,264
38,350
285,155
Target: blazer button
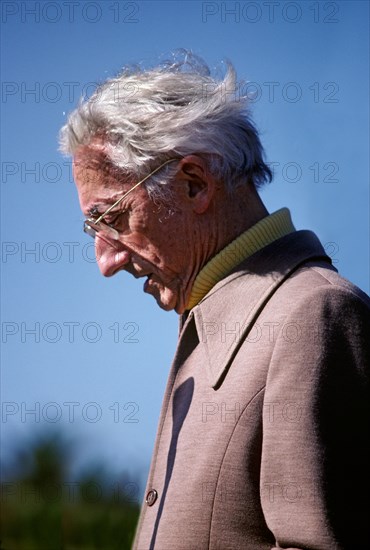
151,497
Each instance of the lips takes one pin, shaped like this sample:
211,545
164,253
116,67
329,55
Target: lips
147,283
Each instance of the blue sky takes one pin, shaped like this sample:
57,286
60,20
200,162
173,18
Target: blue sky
92,354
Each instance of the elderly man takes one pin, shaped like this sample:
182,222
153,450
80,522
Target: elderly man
261,439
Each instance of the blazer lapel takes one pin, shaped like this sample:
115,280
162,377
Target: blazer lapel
228,312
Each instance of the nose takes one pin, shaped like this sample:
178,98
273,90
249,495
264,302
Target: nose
110,257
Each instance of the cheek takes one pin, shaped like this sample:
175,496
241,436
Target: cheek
157,248
146,248
157,237
145,232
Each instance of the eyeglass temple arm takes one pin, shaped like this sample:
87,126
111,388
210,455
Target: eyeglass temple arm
132,189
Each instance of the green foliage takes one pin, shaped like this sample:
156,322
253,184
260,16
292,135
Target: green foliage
42,510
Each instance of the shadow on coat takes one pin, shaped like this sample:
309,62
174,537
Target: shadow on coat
180,407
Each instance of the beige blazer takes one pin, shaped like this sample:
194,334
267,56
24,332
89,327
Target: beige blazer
261,439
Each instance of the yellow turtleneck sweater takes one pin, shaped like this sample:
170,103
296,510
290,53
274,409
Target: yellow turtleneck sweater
258,236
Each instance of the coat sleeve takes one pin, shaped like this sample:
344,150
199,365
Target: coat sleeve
314,466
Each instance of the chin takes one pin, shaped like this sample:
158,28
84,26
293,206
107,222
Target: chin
165,307
167,298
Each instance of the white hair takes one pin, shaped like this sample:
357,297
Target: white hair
145,117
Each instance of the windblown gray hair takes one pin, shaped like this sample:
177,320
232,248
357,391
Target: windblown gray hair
145,117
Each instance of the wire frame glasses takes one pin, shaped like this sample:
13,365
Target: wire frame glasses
94,226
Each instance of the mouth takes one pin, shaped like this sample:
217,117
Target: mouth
147,282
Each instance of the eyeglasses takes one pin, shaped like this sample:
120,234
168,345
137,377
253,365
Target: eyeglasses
92,227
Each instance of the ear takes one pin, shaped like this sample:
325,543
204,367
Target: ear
199,184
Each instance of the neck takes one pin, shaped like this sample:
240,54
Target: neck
243,210
229,216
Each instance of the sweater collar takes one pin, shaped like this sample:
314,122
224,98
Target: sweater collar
266,231
237,300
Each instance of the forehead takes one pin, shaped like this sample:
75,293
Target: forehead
97,180
92,168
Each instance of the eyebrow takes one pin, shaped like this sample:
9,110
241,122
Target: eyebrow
99,209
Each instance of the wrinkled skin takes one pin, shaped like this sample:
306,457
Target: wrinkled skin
168,249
